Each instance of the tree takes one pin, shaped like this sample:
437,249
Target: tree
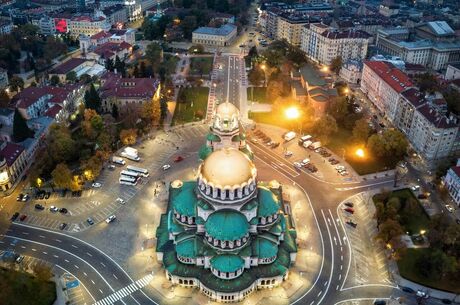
452,97
196,49
391,144
361,130
154,53
188,25
92,124
336,64
253,52
91,167
16,83
20,129
296,56
128,136
256,76
135,72
85,78
54,80
71,76
115,111
92,99
120,66
275,89
42,272
108,63
338,109
325,127
61,146
427,82
4,99
388,230
62,176
151,111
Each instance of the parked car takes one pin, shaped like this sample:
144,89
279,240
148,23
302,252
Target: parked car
120,200
450,208
53,209
349,204
19,259
111,167
422,196
305,161
62,226
19,198
90,221
166,167
110,218
351,223
63,210
254,140
275,144
288,153
297,165
422,294
178,159
407,289
23,217
446,301
349,210
96,185
25,197
415,188
39,207
15,216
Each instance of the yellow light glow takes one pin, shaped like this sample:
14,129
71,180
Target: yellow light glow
292,113
325,69
263,67
39,182
346,90
422,232
360,152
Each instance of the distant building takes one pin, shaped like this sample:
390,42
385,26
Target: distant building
322,44
89,43
433,47
222,17
219,37
110,50
382,82
87,25
388,10
351,71
3,78
453,72
452,182
117,14
119,91
394,60
6,26
289,27
47,25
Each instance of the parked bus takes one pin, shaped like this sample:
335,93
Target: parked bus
127,180
142,171
129,174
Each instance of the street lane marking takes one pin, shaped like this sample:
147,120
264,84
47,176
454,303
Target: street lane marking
77,267
80,282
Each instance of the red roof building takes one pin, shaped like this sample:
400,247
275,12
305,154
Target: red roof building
12,164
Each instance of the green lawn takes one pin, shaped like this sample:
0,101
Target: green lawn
260,95
269,118
408,270
191,105
22,288
203,63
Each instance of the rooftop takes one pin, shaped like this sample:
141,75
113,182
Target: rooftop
224,30
348,34
67,66
227,225
11,152
227,262
394,77
116,86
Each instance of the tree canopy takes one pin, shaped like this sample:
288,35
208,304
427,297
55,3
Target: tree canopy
20,129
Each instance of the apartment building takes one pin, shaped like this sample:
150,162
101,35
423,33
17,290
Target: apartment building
222,36
289,27
452,182
6,26
382,82
322,43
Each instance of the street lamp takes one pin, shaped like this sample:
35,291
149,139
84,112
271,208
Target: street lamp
292,113
360,152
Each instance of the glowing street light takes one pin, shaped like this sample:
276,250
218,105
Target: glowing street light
325,69
39,182
292,113
360,152
263,67
422,232
346,91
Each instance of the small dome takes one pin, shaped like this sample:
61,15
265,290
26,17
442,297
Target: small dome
227,263
227,167
266,248
268,202
186,248
226,110
227,225
184,202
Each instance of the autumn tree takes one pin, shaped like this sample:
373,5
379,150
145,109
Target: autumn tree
151,111
388,230
62,176
128,136
391,144
325,127
91,167
336,64
42,272
256,76
92,124
361,130
60,145
4,99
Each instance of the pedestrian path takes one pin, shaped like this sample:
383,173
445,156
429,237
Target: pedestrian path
124,292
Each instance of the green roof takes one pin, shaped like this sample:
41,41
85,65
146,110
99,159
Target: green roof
268,202
279,227
204,205
227,263
185,201
186,248
227,225
204,152
267,248
213,137
172,225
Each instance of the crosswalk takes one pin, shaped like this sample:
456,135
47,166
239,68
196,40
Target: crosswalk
124,292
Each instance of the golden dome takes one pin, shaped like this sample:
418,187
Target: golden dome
227,167
226,110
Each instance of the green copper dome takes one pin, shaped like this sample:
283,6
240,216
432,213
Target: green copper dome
204,152
227,225
186,248
185,202
227,263
267,248
268,203
213,137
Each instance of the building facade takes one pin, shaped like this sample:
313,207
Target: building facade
226,233
452,182
322,44
289,27
453,72
219,37
13,162
87,25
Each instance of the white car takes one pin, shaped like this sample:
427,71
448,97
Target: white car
53,209
339,167
110,218
297,165
305,161
166,167
253,140
96,184
120,200
415,188
344,173
288,153
450,208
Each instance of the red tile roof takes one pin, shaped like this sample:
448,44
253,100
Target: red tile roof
67,66
11,152
435,117
394,77
111,48
116,86
53,111
101,35
456,170
30,95
414,97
